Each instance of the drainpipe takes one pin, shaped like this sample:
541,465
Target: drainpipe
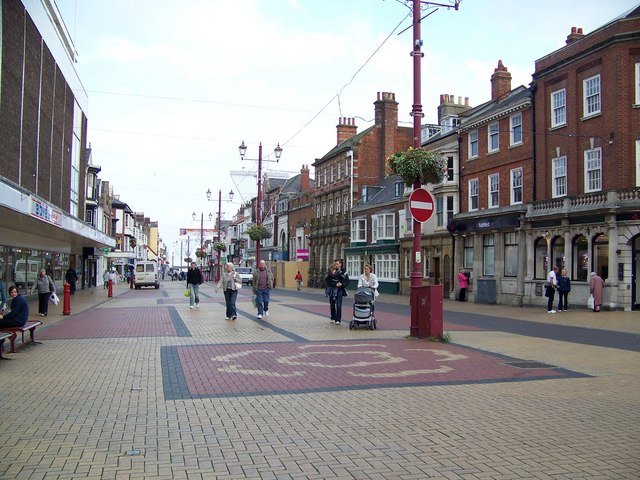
532,88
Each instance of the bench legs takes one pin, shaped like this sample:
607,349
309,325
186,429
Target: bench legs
14,337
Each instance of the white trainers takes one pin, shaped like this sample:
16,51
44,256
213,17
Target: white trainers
197,305
191,307
226,318
266,313
259,316
551,311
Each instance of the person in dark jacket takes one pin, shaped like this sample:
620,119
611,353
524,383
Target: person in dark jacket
564,287
71,277
336,282
194,280
19,313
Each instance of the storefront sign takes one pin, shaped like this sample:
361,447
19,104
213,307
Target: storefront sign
45,212
302,254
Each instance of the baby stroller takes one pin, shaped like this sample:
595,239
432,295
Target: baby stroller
363,309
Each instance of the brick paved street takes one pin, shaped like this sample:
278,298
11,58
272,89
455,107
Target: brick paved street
140,386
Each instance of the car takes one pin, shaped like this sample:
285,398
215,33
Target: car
146,275
246,274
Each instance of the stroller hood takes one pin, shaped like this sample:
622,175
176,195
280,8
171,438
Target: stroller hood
363,295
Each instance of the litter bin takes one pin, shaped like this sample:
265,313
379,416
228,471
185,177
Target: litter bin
426,311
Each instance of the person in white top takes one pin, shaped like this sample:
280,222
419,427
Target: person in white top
552,284
369,280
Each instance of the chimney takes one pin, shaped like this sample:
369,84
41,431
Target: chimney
386,119
346,129
500,82
450,108
304,178
575,35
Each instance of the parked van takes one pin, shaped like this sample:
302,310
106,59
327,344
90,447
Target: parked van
146,275
246,274
25,273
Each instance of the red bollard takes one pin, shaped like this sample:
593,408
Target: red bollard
66,299
110,288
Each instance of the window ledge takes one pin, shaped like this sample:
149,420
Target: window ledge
593,115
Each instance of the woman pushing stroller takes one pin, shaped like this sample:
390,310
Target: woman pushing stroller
369,280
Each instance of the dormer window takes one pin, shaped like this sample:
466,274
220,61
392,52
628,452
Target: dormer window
399,189
365,194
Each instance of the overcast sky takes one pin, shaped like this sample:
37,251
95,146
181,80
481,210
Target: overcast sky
174,87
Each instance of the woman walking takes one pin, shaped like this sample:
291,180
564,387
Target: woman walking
596,287
229,281
369,280
45,287
564,287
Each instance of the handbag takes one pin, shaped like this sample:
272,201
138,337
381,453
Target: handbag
54,298
186,293
548,290
238,285
590,302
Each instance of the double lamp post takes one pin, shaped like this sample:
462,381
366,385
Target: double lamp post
219,224
278,152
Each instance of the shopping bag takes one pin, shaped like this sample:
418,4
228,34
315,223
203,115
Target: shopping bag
254,301
590,302
186,292
238,285
54,298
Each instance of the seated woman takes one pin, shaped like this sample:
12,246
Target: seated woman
19,313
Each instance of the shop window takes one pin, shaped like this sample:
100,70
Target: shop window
511,254
557,252
488,255
540,259
580,259
601,255
468,253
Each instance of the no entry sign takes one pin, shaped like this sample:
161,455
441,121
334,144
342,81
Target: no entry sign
421,205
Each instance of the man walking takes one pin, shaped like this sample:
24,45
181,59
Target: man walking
262,285
552,284
194,280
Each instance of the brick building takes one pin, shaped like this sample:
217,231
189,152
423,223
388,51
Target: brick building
358,160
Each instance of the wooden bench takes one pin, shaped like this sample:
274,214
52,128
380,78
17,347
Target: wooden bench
3,337
13,331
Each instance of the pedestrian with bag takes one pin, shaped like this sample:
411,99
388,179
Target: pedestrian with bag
262,285
194,280
596,287
564,287
230,281
550,293
299,280
45,287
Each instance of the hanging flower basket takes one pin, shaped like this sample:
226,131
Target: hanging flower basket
418,164
188,259
258,232
220,246
201,252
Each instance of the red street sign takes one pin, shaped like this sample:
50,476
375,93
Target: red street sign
421,205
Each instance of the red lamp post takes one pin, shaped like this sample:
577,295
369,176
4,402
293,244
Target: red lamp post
243,150
219,227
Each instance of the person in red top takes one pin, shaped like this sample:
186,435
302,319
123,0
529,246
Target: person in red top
299,279
463,283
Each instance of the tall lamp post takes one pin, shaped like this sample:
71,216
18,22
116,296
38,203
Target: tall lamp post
193,216
278,152
219,237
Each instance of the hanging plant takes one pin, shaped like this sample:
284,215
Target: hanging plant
201,252
188,259
220,246
132,243
258,232
418,164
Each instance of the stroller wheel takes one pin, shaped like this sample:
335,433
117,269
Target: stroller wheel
374,324
351,325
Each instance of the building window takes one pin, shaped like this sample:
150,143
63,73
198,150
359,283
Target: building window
359,230
339,170
559,179
408,264
593,170
473,194
338,205
637,85
580,259
516,186
515,136
330,202
494,190
439,211
345,203
494,138
449,209
540,258
382,227
386,266
444,209
425,263
473,144
399,188
488,255
364,196
318,210
601,256
559,108
637,163
354,264
449,169
88,218
324,208
591,94
331,179
467,261
511,254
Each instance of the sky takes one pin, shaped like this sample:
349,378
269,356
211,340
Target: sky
175,87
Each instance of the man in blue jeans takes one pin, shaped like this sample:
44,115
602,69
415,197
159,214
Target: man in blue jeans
262,285
342,289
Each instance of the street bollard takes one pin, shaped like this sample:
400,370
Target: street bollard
110,288
131,281
66,299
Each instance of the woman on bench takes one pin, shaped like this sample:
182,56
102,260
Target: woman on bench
19,313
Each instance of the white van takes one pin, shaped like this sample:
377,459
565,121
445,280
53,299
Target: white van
146,275
25,273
